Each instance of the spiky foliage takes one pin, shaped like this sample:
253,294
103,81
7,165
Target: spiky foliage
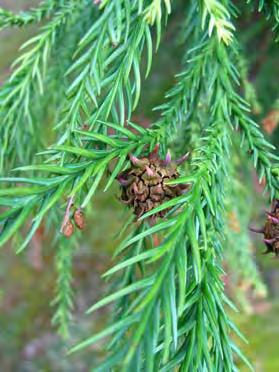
25,86
167,286
8,18
271,11
63,300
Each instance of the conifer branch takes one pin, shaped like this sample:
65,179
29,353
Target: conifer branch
27,80
249,91
199,355
70,179
180,99
193,266
170,298
236,110
44,9
63,300
219,19
83,164
153,12
271,11
106,76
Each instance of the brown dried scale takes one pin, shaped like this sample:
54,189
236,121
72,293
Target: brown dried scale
68,229
79,219
144,185
270,230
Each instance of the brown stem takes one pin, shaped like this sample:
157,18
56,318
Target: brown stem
67,213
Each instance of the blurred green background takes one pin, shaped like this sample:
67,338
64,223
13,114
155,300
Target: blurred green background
28,341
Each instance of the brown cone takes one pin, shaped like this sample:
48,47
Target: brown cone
68,229
79,219
144,184
271,229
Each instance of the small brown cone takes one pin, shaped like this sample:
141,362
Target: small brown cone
79,219
270,230
68,229
145,184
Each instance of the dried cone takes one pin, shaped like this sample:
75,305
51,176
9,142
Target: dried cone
68,229
271,229
79,219
144,184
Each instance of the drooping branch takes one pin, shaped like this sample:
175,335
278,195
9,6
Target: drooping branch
63,301
44,9
27,81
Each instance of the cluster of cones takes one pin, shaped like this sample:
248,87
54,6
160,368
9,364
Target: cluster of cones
69,223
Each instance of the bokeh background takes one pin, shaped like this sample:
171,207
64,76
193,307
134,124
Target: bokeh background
28,341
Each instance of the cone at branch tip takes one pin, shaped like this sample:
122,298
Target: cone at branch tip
271,229
68,229
145,186
79,219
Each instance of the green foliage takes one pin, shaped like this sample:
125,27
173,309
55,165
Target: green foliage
64,293
271,11
8,18
26,84
167,289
